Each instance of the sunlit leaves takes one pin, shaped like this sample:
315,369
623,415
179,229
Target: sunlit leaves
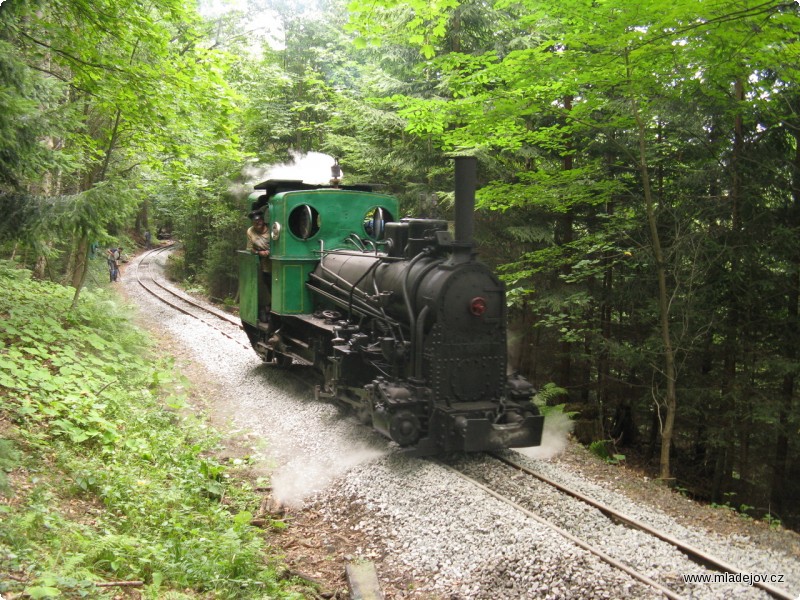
423,23
423,116
133,92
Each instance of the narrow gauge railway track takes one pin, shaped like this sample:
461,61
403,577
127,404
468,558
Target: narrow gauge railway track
693,553
146,277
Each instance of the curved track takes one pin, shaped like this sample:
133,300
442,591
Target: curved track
146,277
152,282
696,555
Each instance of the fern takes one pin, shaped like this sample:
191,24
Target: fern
600,448
548,392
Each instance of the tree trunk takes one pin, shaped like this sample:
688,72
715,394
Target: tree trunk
81,268
667,420
721,473
142,217
603,360
39,267
731,344
80,255
564,236
778,488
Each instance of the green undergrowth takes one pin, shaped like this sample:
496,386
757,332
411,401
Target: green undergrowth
102,478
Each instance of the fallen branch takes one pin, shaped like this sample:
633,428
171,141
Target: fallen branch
119,584
305,577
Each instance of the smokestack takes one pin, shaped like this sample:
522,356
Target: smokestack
466,182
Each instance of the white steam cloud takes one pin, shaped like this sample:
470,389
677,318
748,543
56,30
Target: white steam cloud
301,478
557,426
313,168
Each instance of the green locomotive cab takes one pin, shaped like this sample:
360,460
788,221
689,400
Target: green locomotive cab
304,221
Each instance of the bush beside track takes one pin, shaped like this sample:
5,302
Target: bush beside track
105,483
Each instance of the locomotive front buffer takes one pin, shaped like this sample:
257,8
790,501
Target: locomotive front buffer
408,415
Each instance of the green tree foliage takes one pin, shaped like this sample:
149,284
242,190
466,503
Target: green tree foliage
122,80
23,125
644,159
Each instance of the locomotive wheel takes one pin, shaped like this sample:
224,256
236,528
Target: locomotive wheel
404,428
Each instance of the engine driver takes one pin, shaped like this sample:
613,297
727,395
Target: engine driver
258,243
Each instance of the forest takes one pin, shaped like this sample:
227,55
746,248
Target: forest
639,181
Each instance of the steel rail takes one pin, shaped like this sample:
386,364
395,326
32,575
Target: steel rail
697,555
298,361
144,260
566,534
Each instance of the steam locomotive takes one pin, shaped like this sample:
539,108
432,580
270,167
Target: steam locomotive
398,318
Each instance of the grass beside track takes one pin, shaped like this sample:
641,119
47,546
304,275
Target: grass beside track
103,478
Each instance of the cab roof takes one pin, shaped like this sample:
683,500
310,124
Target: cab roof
276,186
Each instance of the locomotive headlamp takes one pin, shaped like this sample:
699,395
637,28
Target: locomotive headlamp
477,306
